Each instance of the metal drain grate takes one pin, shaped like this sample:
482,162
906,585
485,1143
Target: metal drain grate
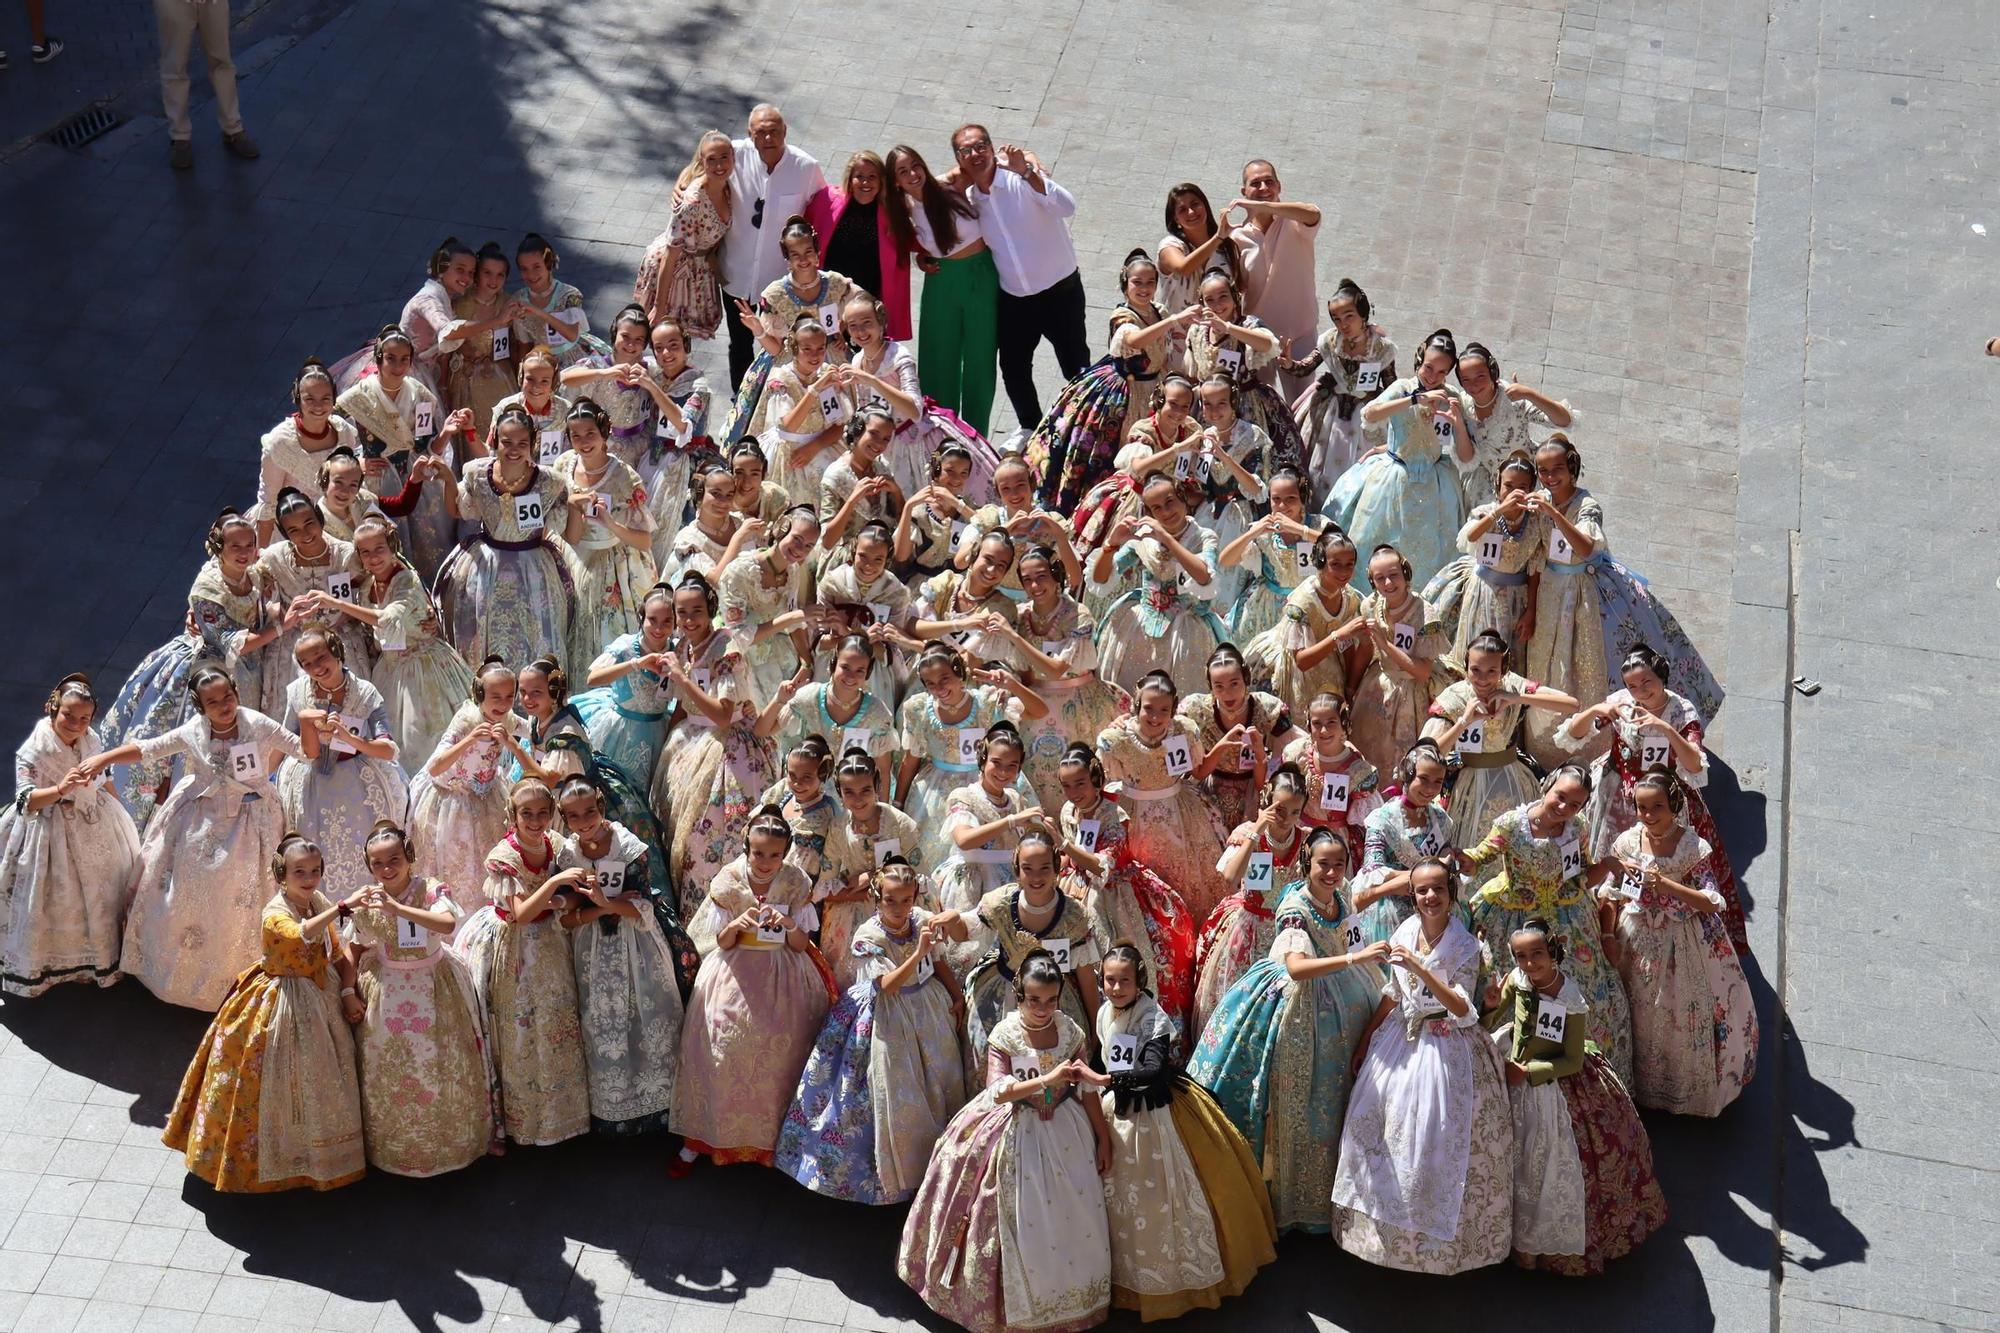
84,126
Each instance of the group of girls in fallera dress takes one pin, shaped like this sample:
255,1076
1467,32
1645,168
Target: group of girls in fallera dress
1223,817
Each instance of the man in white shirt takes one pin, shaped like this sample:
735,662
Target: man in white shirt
771,182
1025,216
1276,246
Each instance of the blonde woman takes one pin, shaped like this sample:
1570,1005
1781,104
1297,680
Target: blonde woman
678,278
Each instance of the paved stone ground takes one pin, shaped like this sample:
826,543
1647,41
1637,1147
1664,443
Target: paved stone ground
1573,182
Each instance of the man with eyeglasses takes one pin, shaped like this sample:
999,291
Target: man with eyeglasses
770,183
1025,216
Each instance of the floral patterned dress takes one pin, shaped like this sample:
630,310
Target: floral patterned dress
1567,650
1487,587
627,999
1271,658
1081,703
289,576
565,303
852,851
1129,904
626,718
1632,753
886,1075
1175,832
428,1096
693,297
1008,1230
457,815
510,588
1426,1175
337,799
1329,415
1387,706
1277,1051
271,1101
615,576
989,986
1694,1023
1397,835
967,875
709,777
755,1014
421,678
1240,929
1491,779
1165,623
1584,1190
522,972
748,601
1544,877
1345,802
1234,790
947,758
1410,495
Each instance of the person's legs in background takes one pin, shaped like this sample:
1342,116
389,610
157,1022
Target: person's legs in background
1019,330
980,314
1062,308
941,336
742,349
212,25
177,20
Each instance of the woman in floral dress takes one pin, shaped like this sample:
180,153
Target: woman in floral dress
1544,872
610,528
758,1003
1652,727
1278,1052
887,1073
1694,1024
842,710
1008,1230
68,851
193,923
678,277
1584,1192
1153,753
401,420
270,1100
1425,1181
680,438
427,1090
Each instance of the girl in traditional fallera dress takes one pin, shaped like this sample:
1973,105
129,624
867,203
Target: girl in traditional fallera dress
708,541
421,678
620,380
1073,447
271,1101
864,835
1190,1218
1652,727
510,589
1478,719
1488,588
1401,641
1500,420
1227,343
887,1072
843,707
1584,1192
308,573
1030,913
934,517
1126,900
941,727
519,955
680,439
1013,512
549,311
1165,622
345,501
480,370
1409,493
193,923
427,1083
1402,831
806,297
866,597
1008,1230
401,420
801,796
68,852
1545,869
758,1003
1261,860
1426,1175
1356,361
458,803
293,452
972,609
757,496
767,602
1240,734
1153,754
1056,639
610,529
1694,1024
1342,788
1313,645
984,821
1278,1053
627,1000
625,709
232,620
886,377
547,409
350,778
1275,553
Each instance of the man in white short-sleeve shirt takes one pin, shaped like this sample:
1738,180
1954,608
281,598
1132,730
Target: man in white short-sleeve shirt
770,183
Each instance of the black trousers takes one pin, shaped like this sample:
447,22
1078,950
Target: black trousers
1055,313
742,347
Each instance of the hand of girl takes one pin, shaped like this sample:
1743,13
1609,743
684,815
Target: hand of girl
748,318
1370,953
353,1010
1490,995
1517,1073
459,422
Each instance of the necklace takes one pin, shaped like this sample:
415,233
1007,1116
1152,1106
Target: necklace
305,434
1043,1026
